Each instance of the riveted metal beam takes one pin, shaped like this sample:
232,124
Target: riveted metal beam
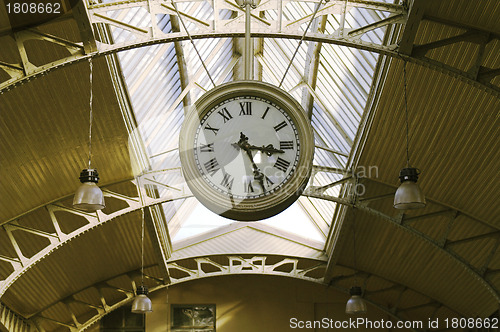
12,322
261,28
478,275
20,264
394,310
312,64
236,265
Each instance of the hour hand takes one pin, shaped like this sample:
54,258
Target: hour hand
269,149
259,176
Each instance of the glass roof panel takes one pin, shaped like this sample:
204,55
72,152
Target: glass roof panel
339,89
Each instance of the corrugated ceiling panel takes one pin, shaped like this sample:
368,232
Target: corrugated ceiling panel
397,255
236,241
448,146
98,257
47,150
483,14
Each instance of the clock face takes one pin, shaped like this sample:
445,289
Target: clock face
246,150
246,147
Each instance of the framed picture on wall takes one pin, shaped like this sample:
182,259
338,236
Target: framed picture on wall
193,317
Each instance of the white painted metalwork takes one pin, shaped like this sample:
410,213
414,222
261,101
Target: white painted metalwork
253,265
236,265
13,322
216,27
20,263
442,245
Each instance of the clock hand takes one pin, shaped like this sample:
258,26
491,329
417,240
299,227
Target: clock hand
257,174
269,150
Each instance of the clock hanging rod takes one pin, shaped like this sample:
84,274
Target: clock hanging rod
248,5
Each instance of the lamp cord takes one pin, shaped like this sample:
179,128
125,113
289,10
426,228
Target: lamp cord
354,247
142,248
300,42
192,42
406,115
90,107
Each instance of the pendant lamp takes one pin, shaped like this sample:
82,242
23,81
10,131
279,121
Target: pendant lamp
356,304
89,196
142,304
408,196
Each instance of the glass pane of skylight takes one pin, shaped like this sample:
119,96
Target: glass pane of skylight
340,92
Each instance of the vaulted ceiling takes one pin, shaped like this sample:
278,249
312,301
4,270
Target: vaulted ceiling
62,268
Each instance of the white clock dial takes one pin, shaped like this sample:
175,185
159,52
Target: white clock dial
246,150
246,147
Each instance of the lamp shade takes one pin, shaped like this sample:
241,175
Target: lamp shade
142,304
409,196
89,196
356,304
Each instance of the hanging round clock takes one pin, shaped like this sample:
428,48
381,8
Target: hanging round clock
246,150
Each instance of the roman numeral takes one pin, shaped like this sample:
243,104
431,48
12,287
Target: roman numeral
248,186
286,145
225,114
227,181
269,182
207,148
214,130
212,166
282,164
246,108
265,113
280,126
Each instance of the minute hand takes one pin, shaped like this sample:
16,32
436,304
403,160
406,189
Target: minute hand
269,150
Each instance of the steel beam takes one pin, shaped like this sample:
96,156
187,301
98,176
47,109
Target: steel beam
12,322
20,264
236,265
218,28
312,64
422,236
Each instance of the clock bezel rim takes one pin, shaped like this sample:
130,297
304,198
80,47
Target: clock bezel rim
251,209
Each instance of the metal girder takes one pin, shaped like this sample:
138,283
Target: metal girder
217,28
20,264
85,27
181,61
207,267
262,27
395,309
409,32
287,267
158,231
106,306
311,67
477,74
13,322
440,246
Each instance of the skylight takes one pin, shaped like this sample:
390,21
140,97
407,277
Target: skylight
158,90
292,220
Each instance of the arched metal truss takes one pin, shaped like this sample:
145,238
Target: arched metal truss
13,322
145,198
194,268
263,26
204,266
444,245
